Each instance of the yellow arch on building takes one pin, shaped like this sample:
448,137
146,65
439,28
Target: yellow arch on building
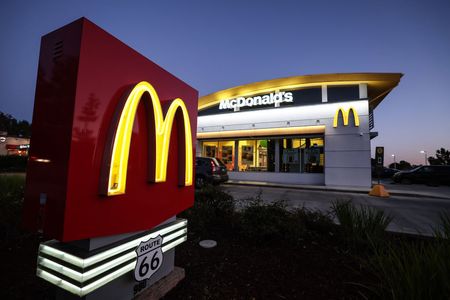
345,114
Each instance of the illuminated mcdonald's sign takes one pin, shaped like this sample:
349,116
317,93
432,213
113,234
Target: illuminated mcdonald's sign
123,161
115,163
345,114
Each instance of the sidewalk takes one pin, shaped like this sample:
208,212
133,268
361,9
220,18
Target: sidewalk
411,191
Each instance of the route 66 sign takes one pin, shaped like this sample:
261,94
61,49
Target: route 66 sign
149,258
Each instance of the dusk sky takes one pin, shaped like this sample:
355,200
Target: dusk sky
213,45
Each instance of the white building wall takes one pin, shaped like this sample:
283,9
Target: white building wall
347,154
347,148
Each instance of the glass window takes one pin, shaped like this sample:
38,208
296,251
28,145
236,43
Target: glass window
226,154
342,93
210,149
261,155
290,156
301,155
254,155
247,155
313,156
224,150
297,155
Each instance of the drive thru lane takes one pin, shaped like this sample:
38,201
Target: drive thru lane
414,215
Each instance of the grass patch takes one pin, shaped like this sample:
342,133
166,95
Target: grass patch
442,231
406,270
11,202
13,163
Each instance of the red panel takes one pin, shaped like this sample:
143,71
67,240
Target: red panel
76,97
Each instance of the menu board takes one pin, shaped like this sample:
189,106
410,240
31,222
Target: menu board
247,155
227,154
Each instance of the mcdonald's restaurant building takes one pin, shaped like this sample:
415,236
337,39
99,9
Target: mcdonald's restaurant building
313,130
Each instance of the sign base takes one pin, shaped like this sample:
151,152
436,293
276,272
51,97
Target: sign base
105,268
163,286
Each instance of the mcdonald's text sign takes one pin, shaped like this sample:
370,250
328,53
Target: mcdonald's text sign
113,138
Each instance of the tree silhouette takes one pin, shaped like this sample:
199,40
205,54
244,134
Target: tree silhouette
88,115
442,157
14,127
402,165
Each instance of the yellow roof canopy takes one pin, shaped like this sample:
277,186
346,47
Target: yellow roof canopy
378,86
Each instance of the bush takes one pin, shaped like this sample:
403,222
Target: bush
315,221
260,222
361,227
212,213
13,163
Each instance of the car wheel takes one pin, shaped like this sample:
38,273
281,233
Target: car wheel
199,181
406,181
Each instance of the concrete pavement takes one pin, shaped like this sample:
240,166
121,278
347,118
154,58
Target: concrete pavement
413,190
412,214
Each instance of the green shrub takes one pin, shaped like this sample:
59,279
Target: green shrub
262,222
212,213
314,220
11,201
408,270
361,226
13,163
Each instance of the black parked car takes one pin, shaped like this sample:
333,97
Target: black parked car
432,175
209,170
385,173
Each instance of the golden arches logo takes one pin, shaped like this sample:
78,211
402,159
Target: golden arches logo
345,114
115,164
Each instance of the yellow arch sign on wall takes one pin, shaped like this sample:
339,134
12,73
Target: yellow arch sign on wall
345,114
117,175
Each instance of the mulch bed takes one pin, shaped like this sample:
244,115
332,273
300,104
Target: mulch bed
18,270
316,268
236,269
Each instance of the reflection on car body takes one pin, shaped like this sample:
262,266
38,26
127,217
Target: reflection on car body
432,175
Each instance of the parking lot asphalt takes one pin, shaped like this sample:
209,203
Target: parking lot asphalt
441,191
412,214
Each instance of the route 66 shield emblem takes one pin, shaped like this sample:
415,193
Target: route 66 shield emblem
149,258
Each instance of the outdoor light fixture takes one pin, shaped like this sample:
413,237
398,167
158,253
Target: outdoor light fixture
425,155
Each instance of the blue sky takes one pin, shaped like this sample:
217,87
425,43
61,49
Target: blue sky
214,45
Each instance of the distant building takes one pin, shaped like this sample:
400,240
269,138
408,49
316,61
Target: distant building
12,145
312,129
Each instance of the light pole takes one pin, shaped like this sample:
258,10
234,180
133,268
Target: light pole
395,163
426,155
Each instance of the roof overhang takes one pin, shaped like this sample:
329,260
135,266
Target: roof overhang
378,86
